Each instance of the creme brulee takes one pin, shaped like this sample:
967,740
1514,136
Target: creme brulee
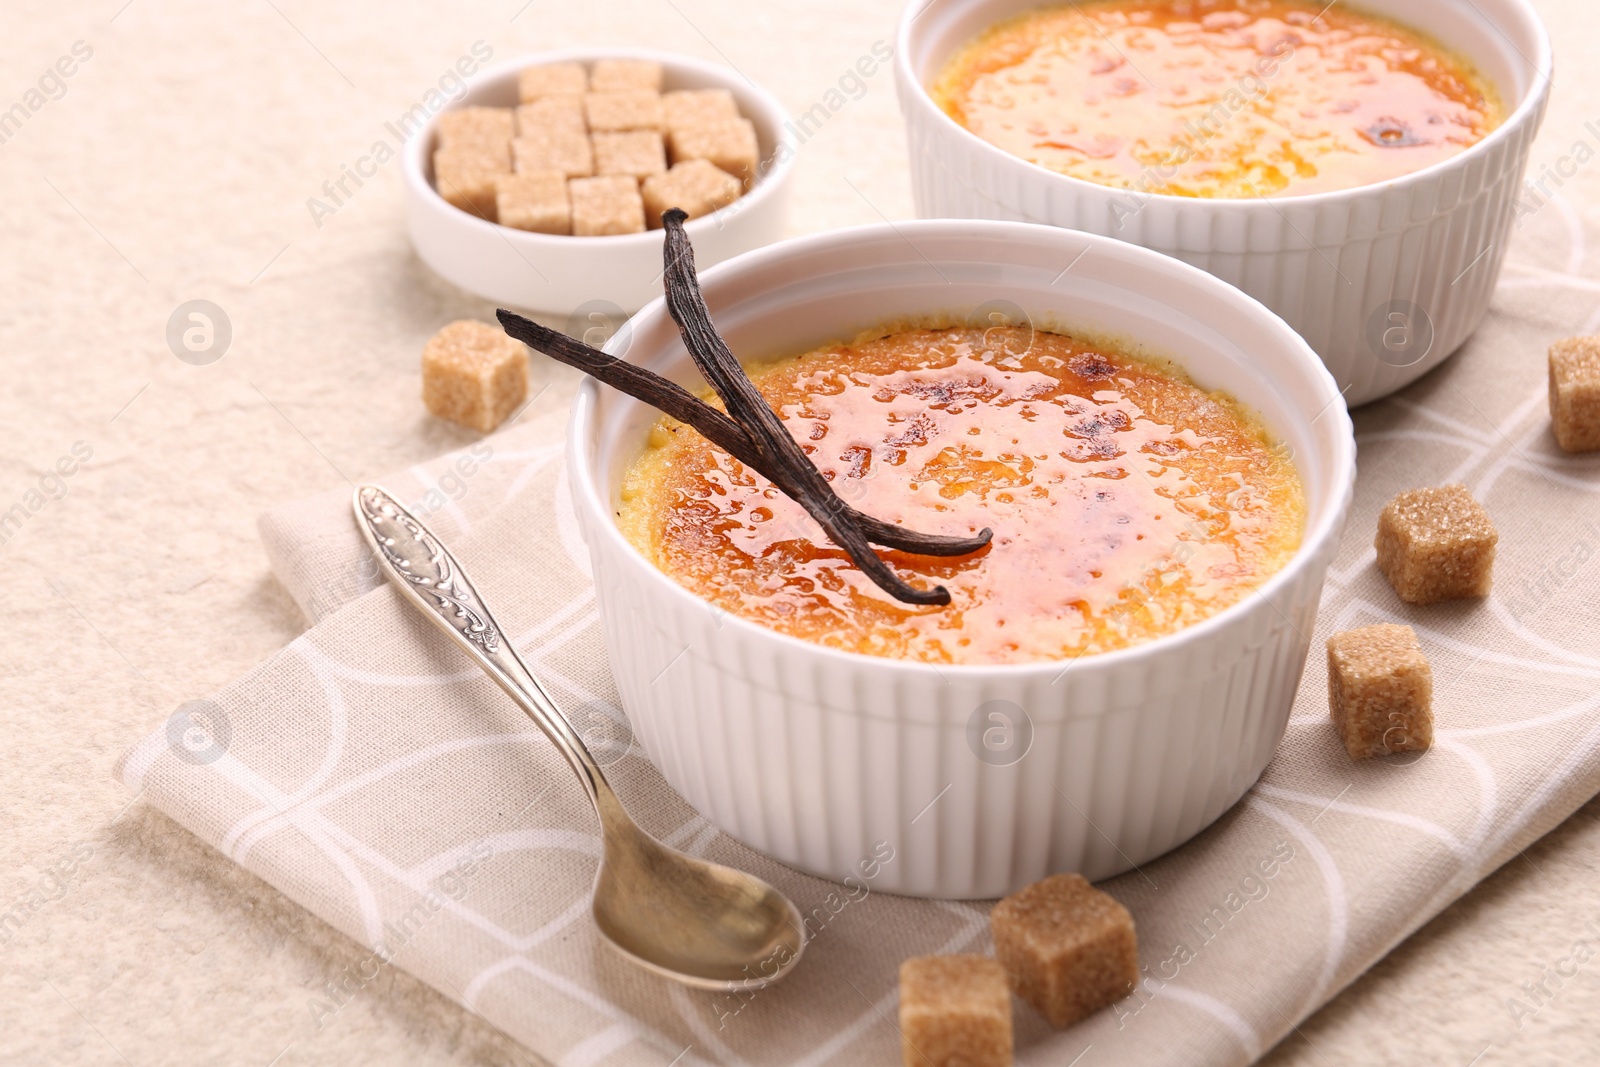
1217,98
1126,503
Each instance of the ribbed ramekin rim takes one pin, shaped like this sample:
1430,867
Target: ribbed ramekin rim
414,169
1316,542
914,94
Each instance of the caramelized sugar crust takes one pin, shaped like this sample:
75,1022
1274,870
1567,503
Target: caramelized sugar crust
1125,502
1218,98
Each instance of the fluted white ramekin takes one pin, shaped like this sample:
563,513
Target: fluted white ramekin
826,759
1384,281
598,279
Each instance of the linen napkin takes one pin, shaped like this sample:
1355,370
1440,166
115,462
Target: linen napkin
370,772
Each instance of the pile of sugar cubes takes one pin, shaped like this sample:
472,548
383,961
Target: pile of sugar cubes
1060,944
586,152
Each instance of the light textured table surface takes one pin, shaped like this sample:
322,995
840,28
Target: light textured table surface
175,164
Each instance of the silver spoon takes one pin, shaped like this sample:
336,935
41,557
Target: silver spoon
696,922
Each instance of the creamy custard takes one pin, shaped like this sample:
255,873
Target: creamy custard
1217,98
1126,502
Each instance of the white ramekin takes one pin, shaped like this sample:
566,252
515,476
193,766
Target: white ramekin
608,276
822,758
1384,281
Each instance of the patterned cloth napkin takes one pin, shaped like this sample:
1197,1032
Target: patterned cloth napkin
370,772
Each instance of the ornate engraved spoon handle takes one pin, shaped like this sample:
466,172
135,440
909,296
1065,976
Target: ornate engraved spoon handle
428,575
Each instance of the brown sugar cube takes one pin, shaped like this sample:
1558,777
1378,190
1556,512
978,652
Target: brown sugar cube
568,151
551,79
475,127
728,143
534,200
636,153
473,374
606,205
1069,949
696,186
1575,393
563,112
685,105
632,109
465,177
1436,544
616,75
955,1011
1380,691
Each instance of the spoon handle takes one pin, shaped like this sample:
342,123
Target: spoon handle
427,574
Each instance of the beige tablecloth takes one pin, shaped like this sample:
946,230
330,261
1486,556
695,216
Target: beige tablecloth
371,773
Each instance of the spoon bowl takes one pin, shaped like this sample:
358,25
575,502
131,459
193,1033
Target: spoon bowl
699,922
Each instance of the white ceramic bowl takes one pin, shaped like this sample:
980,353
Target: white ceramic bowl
1384,281
607,275
819,757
